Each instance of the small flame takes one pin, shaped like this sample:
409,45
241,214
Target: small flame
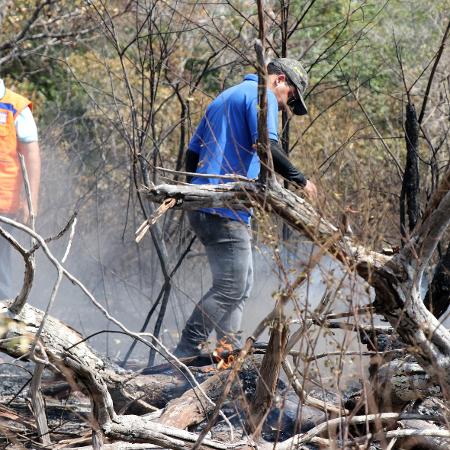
223,349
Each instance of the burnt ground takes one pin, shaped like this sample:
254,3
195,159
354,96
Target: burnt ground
68,412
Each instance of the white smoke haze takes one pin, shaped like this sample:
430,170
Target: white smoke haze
127,278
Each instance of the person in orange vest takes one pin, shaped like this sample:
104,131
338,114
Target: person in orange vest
18,135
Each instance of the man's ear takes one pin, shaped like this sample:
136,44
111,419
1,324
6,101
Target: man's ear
281,77
276,79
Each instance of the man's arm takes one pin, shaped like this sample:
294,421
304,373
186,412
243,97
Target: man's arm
27,145
192,159
31,153
287,170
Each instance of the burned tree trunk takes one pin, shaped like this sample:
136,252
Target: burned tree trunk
409,197
437,297
269,374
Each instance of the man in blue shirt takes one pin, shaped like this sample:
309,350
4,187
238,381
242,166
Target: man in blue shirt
224,144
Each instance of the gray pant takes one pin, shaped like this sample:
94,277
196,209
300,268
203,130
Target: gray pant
5,265
228,247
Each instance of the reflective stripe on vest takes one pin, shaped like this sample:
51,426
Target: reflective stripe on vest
11,105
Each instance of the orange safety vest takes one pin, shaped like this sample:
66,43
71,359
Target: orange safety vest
11,105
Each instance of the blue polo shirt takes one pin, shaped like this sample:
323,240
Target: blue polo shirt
225,137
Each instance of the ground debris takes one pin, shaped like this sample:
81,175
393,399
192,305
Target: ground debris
67,418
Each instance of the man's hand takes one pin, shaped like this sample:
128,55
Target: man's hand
310,190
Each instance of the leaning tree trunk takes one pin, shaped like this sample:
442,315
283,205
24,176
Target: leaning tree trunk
396,279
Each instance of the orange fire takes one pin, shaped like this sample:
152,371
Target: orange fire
223,354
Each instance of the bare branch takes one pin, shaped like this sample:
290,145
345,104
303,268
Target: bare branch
21,298
433,71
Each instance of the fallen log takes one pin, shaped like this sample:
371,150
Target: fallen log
403,380
189,409
129,391
83,368
423,438
292,208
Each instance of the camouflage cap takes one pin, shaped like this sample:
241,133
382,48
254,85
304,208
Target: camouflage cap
298,77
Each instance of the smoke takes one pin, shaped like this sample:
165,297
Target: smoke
126,278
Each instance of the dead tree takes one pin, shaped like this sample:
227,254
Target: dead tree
396,279
437,297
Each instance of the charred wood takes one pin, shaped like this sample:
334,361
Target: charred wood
401,381
410,186
270,371
189,409
437,297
